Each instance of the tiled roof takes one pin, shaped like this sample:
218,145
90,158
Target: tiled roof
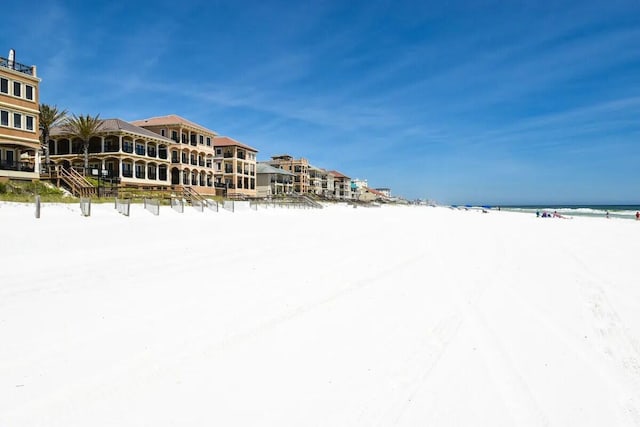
171,119
225,141
338,174
267,168
376,192
115,125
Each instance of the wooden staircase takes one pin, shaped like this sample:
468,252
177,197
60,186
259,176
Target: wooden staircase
76,182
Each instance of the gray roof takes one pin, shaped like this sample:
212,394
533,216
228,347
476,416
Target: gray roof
266,168
115,125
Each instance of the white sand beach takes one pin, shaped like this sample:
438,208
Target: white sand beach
392,316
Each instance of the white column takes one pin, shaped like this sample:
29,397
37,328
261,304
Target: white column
102,145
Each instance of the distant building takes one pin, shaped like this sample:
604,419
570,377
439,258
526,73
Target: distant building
235,166
385,191
342,186
273,181
300,167
19,120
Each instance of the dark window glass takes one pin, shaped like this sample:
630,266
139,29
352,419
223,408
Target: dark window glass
17,89
4,118
28,92
17,120
4,85
29,123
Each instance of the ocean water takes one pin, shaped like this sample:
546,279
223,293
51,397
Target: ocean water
615,211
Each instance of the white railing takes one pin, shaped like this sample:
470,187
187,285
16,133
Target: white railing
177,205
85,206
152,205
198,205
123,206
212,204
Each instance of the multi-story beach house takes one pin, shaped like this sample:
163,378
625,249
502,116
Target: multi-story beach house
300,167
385,191
127,153
192,153
357,187
235,167
321,182
328,184
315,180
272,181
19,120
342,186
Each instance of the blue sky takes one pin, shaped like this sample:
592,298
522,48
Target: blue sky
463,102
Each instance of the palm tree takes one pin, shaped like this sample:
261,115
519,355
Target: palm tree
50,116
83,127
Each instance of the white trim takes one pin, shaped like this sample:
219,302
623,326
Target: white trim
19,107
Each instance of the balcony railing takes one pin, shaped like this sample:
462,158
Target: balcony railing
16,166
4,62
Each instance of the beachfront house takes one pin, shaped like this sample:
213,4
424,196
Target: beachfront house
300,168
342,186
357,187
235,167
366,194
384,190
19,120
119,151
273,181
191,154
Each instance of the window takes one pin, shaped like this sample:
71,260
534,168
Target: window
201,140
208,142
4,85
28,92
17,120
29,123
162,132
17,89
4,118
174,135
218,151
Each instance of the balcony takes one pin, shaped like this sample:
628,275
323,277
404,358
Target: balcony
228,169
9,165
21,68
111,147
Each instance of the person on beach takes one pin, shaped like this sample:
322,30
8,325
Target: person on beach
607,214
637,216
537,214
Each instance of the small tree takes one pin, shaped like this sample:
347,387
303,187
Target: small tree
83,127
50,116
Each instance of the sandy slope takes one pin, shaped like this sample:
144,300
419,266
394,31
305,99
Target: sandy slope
339,317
